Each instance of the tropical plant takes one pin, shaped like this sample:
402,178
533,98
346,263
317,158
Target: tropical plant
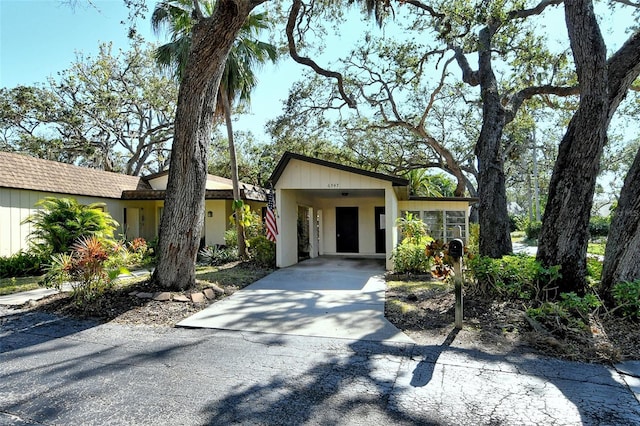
84,268
411,227
238,78
61,222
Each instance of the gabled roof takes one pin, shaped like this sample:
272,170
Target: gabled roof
23,172
288,156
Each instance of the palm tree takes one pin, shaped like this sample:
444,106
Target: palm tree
238,79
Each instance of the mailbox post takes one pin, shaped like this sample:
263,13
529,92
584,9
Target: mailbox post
456,250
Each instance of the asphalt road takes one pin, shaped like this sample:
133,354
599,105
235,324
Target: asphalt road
65,372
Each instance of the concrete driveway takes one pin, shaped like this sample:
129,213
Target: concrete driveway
323,297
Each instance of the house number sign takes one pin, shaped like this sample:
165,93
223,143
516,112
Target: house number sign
333,185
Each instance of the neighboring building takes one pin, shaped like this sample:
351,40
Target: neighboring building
323,208
326,208
135,203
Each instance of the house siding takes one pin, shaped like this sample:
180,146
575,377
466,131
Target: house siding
16,205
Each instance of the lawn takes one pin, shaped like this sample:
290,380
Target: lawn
15,285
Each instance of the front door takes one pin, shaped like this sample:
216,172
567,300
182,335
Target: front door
380,230
347,230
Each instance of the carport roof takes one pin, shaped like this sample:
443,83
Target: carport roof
288,156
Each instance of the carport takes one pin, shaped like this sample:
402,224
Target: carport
325,208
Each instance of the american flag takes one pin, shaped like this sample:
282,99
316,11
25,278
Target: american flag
270,218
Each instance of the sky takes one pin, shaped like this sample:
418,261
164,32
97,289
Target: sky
39,38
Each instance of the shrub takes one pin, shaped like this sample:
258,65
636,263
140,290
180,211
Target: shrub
599,226
533,229
217,255
20,264
626,295
61,222
516,276
262,251
231,238
412,228
84,268
410,257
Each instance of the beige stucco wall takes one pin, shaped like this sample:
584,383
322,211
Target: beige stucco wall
320,189
366,221
16,205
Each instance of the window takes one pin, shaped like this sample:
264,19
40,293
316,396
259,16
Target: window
435,223
455,219
443,224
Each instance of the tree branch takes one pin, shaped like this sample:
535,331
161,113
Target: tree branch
469,76
291,23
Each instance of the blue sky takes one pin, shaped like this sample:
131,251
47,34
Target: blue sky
39,38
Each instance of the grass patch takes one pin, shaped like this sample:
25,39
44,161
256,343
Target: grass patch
518,236
16,285
413,286
239,275
397,306
596,248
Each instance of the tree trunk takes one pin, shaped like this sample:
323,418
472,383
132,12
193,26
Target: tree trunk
183,218
603,85
565,225
495,238
622,256
235,181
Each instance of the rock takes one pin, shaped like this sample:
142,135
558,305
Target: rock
209,293
133,293
217,289
162,296
143,295
197,297
180,298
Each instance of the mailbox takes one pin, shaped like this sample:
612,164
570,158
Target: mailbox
456,248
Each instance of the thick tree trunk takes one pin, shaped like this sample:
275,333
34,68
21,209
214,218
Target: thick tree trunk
565,231
495,238
622,256
235,181
603,85
182,222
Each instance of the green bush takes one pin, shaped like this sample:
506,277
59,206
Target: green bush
85,268
216,255
533,229
62,222
410,257
516,276
626,295
566,315
599,226
20,264
262,251
231,238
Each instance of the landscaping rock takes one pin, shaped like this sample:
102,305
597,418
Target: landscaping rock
180,298
209,293
197,297
162,296
143,295
217,289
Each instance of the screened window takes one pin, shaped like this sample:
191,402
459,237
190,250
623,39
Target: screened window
442,224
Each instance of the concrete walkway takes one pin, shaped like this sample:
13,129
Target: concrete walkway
321,297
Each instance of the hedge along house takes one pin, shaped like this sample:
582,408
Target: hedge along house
325,208
135,203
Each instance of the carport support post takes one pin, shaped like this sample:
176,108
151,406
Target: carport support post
457,270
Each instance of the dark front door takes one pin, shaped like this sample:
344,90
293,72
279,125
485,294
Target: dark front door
380,230
347,230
